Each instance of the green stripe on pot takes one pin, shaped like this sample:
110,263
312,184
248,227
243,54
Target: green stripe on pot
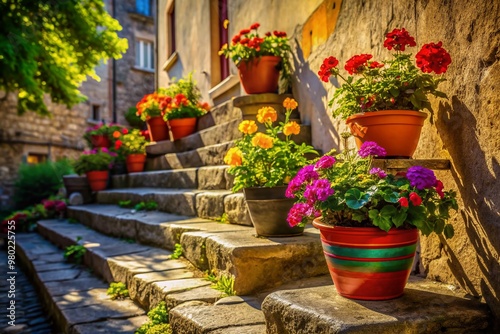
370,267
374,253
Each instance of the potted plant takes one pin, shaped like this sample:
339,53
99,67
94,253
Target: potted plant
149,109
133,146
369,219
100,135
182,107
260,59
263,163
382,100
95,164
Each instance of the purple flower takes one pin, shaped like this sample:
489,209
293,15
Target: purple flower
319,190
380,172
304,175
298,212
421,177
371,148
325,162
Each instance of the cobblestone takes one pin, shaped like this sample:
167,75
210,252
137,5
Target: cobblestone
31,318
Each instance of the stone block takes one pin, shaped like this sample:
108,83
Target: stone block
212,177
160,290
185,178
125,326
206,156
210,205
236,209
219,114
426,307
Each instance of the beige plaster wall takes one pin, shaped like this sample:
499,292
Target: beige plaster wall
465,128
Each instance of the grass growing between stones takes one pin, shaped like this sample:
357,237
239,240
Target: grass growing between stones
147,206
223,283
157,323
224,219
75,253
177,252
117,290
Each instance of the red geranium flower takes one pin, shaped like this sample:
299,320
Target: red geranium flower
244,41
357,63
326,68
415,199
403,201
236,39
118,144
376,64
433,58
399,39
255,26
439,188
244,31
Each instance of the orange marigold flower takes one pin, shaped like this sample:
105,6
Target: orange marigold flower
248,127
116,134
233,157
267,114
262,140
290,103
291,128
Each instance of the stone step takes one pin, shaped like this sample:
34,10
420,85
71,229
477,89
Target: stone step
75,299
220,114
209,204
211,155
206,178
425,307
149,273
255,263
214,135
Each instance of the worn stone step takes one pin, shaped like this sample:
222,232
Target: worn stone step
75,299
220,114
206,178
211,155
255,263
425,307
232,315
150,274
210,204
154,228
213,135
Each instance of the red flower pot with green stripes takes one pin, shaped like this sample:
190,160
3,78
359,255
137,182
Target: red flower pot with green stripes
368,263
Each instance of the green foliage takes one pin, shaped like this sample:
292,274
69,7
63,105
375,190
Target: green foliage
266,160
37,182
177,252
117,290
134,120
102,130
73,221
185,86
125,204
93,161
75,253
158,318
223,219
223,283
49,47
148,206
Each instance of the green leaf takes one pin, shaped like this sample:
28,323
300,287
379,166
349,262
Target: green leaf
449,231
382,218
399,218
358,216
439,227
355,199
391,196
394,92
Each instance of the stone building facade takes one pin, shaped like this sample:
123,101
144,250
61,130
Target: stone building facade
465,128
31,138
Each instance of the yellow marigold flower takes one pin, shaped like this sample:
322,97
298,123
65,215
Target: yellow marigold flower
267,114
233,157
262,140
290,103
291,128
248,127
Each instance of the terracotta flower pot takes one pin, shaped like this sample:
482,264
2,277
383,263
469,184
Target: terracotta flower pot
100,141
398,131
135,162
268,208
158,129
367,263
260,75
182,127
98,180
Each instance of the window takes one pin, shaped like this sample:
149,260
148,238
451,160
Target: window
96,112
171,30
35,158
144,55
143,7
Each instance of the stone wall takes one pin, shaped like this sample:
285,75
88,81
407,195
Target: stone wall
464,128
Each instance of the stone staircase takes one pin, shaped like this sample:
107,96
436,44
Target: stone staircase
282,284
